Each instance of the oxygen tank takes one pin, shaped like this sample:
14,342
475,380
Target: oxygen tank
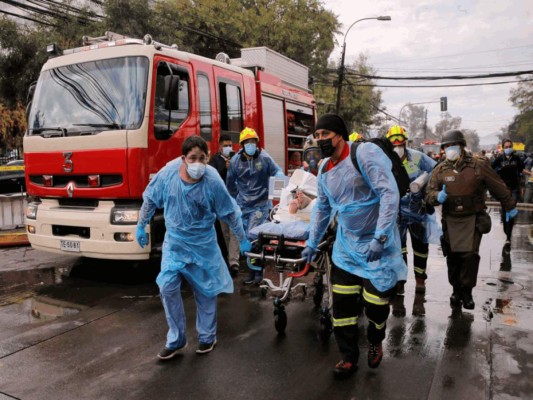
418,184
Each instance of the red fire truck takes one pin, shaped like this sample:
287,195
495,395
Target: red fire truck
105,117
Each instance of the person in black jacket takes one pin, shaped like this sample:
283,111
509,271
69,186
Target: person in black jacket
228,243
509,167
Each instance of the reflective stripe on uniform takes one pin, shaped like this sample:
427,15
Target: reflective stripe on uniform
378,326
343,289
345,321
419,270
404,250
372,298
421,255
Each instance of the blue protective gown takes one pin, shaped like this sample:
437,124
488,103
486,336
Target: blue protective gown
248,181
190,210
411,211
366,204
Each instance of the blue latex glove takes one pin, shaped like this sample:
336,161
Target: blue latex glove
309,254
375,251
509,215
141,236
245,245
442,195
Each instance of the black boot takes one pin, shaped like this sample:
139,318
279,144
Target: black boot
468,301
456,297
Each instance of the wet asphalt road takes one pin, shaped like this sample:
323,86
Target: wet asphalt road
90,329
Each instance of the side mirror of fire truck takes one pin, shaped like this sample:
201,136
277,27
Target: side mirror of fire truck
172,86
29,99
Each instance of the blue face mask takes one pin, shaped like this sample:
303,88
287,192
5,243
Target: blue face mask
508,151
250,148
226,150
196,170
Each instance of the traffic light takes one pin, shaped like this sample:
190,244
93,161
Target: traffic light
444,104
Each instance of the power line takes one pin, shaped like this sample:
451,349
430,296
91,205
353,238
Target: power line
441,86
26,18
432,78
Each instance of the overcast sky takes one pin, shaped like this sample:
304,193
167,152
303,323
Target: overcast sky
440,37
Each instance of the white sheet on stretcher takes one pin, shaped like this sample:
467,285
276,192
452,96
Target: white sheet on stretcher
294,226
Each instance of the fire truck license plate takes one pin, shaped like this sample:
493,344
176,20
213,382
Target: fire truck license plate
70,245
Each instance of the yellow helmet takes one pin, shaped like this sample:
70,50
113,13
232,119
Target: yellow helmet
397,135
354,137
248,133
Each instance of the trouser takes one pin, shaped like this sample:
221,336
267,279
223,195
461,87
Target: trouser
232,244
528,195
350,294
250,219
206,314
508,225
420,249
463,266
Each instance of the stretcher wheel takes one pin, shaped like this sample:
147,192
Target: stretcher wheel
325,328
280,320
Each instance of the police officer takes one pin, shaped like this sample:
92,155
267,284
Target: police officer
509,166
413,211
460,184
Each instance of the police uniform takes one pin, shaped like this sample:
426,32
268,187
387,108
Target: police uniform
464,219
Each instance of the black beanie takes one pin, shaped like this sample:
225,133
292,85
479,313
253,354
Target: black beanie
332,122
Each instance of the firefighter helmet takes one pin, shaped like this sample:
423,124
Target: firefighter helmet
397,135
248,133
354,137
453,136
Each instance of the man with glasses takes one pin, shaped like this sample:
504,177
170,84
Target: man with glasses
459,184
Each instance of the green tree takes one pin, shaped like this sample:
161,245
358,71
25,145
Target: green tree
446,123
521,128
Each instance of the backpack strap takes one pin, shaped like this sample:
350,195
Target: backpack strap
353,155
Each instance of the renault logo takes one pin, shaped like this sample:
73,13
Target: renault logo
70,189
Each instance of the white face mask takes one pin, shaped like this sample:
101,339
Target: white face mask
226,150
400,150
453,153
196,170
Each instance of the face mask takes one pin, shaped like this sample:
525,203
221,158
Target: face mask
508,151
196,170
326,147
226,150
453,153
250,148
400,150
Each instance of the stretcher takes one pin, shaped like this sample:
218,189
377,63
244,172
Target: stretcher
284,254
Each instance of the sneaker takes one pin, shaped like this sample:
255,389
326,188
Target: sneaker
167,354
344,369
420,285
205,347
234,270
375,355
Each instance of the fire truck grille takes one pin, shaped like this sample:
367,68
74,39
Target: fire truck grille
81,181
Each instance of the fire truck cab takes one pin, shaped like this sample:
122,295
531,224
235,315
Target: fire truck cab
106,117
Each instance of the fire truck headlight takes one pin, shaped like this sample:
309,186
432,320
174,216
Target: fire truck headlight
31,211
124,217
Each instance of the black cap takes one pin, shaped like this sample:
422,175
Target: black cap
334,123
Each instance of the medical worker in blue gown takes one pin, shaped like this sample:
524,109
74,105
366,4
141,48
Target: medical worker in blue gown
248,177
367,259
193,196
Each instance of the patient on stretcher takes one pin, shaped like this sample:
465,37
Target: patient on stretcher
292,215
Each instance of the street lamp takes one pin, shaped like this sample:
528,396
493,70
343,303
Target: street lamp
341,69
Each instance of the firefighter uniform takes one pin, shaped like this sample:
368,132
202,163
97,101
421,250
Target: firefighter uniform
464,219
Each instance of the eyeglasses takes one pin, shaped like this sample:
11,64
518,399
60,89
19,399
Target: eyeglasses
397,139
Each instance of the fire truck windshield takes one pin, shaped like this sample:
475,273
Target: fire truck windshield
90,97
